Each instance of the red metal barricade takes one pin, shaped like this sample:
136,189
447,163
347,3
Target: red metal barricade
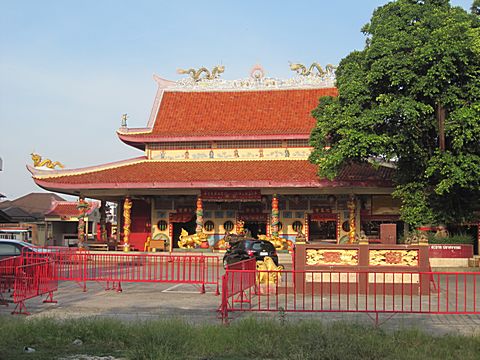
7,277
344,291
237,284
115,268
29,275
32,280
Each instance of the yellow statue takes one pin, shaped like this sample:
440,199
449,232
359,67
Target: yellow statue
195,74
191,241
302,70
278,242
146,245
38,162
267,271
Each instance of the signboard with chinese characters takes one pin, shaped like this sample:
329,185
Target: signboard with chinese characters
231,195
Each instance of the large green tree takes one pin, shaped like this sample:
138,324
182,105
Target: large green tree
411,98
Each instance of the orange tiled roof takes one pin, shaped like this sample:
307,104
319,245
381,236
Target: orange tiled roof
212,174
235,113
68,208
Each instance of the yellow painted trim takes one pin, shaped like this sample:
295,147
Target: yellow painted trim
134,132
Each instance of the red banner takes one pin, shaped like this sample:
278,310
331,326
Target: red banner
323,217
231,195
180,217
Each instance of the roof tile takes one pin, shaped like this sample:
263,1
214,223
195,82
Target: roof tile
219,113
158,174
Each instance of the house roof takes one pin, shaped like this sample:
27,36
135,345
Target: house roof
17,214
248,114
4,218
151,174
35,204
69,208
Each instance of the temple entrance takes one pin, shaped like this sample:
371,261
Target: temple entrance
256,228
189,226
323,231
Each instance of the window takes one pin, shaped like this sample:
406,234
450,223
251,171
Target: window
9,249
209,226
228,225
162,225
297,226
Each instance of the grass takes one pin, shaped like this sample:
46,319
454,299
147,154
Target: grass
246,339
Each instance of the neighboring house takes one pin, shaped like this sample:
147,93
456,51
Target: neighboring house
24,217
35,204
62,222
4,218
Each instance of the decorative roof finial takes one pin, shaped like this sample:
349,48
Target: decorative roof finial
195,74
124,120
302,70
38,162
257,72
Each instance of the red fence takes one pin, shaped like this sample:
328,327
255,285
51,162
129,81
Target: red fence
385,292
25,278
118,268
37,271
34,280
237,286
83,266
7,277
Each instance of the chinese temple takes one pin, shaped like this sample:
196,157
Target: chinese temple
217,153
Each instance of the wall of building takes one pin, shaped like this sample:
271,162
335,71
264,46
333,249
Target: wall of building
292,209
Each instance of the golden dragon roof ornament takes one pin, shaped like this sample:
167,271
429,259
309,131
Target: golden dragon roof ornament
302,69
196,74
38,162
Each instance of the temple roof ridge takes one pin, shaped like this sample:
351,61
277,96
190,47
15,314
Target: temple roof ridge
247,84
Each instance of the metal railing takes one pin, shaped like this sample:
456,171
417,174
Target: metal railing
353,291
37,272
84,266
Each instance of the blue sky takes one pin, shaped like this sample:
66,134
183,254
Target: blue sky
69,69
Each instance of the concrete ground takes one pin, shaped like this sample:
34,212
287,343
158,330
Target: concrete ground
147,301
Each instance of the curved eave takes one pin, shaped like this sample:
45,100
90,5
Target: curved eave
36,172
151,175
49,185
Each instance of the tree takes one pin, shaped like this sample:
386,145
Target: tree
411,97
475,8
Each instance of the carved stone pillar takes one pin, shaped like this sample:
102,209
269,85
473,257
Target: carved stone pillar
275,214
82,207
199,220
351,219
127,222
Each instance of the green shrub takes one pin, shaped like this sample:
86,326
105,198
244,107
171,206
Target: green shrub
460,238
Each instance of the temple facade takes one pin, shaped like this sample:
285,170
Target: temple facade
218,153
